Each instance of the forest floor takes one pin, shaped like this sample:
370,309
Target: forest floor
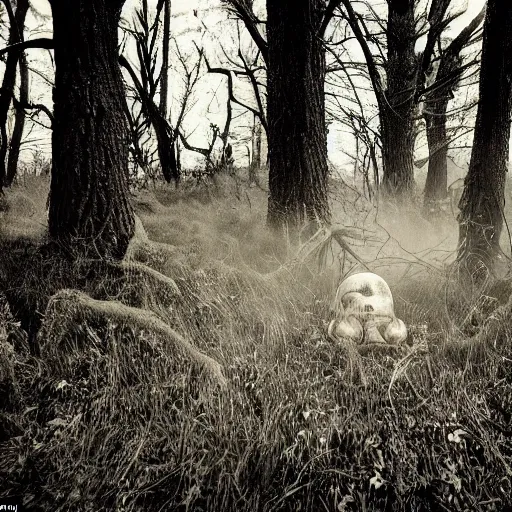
111,416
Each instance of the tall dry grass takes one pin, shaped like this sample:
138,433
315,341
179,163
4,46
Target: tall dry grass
112,418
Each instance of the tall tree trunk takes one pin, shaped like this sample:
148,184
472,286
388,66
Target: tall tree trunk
255,163
166,139
257,144
398,108
165,142
297,138
481,216
375,166
435,112
19,123
17,24
437,174
90,214
178,157
164,80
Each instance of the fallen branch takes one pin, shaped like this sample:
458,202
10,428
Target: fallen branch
316,247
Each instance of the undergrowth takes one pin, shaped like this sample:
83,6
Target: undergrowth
111,417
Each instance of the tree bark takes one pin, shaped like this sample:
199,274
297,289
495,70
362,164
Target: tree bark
166,139
89,213
435,112
297,138
19,123
481,216
255,163
398,108
437,175
165,142
164,80
17,24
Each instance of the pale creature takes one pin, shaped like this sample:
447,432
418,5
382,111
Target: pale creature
365,312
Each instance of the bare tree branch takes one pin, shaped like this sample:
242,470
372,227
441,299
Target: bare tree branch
33,106
41,42
370,60
161,126
328,15
228,73
243,9
250,73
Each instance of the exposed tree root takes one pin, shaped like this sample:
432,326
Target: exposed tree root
495,328
73,307
494,333
141,247
61,289
133,268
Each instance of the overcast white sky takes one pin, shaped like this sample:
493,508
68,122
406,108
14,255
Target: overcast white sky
210,98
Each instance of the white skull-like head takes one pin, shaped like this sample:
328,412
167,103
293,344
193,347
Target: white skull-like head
365,311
